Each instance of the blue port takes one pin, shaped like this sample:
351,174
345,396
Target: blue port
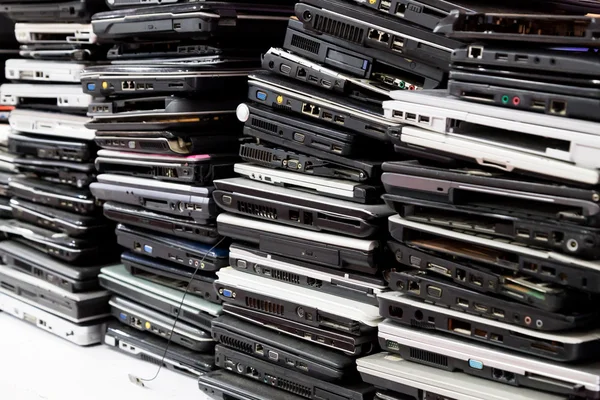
226,292
262,96
148,249
123,316
475,364
91,86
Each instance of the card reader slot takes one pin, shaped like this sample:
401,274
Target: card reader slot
339,220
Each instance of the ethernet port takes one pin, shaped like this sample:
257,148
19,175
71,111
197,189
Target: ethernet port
400,10
414,287
475,52
258,349
301,73
558,107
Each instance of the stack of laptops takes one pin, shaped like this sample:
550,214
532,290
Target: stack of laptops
164,116
496,279
58,237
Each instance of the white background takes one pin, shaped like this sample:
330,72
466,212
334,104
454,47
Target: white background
37,365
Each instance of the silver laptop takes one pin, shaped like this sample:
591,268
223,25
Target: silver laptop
33,33
484,150
433,349
565,139
392,372
82,335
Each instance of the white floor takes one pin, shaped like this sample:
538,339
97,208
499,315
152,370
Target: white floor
36,365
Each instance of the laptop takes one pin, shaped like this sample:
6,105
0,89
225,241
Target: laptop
475,189
190,254
434,289
81,334
146,347
331,188
76,307
44,71
170,143
160,113
435,350
351,286
325,249
363,62
345,342
287,380
171,275
551,29
550,236
273,156
223,385
192,202
140,79
79,201
54,33
565,100
488,279
282,350
421,382
286,63
7,162
22,258
569,346
5,178
436,111
203,20
368,28
72,250
71,224
303,210
74,174
53,146
194,310
51,97
50,11
300,135
276,92
547,266
198,169
61,52
145,319
296,303
171,225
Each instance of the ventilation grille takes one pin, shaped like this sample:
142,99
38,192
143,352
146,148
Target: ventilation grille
265,306
429,357
338,29
421,324
285,276
236,344
153,145
293,387
267,126
258,210
256,155
150,359
305,44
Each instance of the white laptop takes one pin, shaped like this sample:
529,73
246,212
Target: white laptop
66,96
27,33
40,70
565,139
51,123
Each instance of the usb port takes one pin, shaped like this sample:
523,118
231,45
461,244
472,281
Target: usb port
498,312
397,114
398,44
177,25
385,5
524,233
476,280
542,237
327,116
411,117
312,78
462,302
338,119
424,120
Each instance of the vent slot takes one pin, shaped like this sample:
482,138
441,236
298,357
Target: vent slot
150,359
236,344
152,145
421,324
265,306
285,276
256,155
256,209
293,387
338,29
428,357
305,44
267,126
